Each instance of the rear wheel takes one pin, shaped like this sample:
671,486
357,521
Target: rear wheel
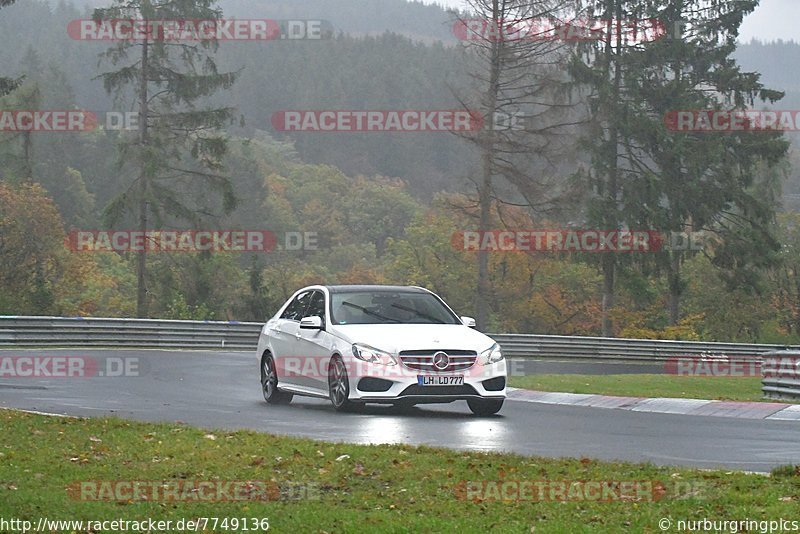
485,406
339,385
269,382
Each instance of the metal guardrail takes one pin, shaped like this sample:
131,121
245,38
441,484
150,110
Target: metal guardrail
622,349
781,375
18,331
126,333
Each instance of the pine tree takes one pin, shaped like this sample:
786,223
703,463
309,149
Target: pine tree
178,142
645,176
7,84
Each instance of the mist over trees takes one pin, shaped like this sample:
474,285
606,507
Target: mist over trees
385,207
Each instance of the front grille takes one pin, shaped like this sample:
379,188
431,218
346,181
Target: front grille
422,360
415,389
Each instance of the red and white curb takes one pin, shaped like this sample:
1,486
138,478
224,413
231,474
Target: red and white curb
700,407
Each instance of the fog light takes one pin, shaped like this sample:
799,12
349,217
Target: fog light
374,385
494,384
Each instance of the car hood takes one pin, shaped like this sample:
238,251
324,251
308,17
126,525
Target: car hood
397,337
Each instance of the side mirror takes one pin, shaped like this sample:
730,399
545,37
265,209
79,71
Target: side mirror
468,321
311,323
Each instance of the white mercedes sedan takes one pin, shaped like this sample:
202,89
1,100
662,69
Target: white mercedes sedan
378,344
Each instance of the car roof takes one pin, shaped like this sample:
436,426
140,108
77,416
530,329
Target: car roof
360,288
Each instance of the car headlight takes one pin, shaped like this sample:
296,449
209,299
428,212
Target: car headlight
373,355
492,355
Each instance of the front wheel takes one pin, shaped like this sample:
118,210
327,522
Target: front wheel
485,406
269,383
339,385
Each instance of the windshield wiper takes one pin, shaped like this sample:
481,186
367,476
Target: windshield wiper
418,313
368,312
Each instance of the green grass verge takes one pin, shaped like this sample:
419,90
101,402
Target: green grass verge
373,489
684,387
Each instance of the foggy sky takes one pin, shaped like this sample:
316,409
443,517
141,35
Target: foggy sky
773,19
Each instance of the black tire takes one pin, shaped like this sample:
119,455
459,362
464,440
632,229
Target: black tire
485,407
339,386
269,382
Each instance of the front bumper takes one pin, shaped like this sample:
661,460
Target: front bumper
381,384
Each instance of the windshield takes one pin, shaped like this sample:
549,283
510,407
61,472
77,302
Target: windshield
386,307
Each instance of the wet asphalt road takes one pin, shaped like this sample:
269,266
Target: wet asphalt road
222,390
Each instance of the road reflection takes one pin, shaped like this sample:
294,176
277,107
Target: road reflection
377,425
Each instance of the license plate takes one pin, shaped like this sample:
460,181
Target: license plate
428,380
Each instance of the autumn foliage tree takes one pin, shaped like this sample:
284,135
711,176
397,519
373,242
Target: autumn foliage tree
31,237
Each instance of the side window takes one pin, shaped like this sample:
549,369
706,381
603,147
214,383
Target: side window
296,310
317,306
